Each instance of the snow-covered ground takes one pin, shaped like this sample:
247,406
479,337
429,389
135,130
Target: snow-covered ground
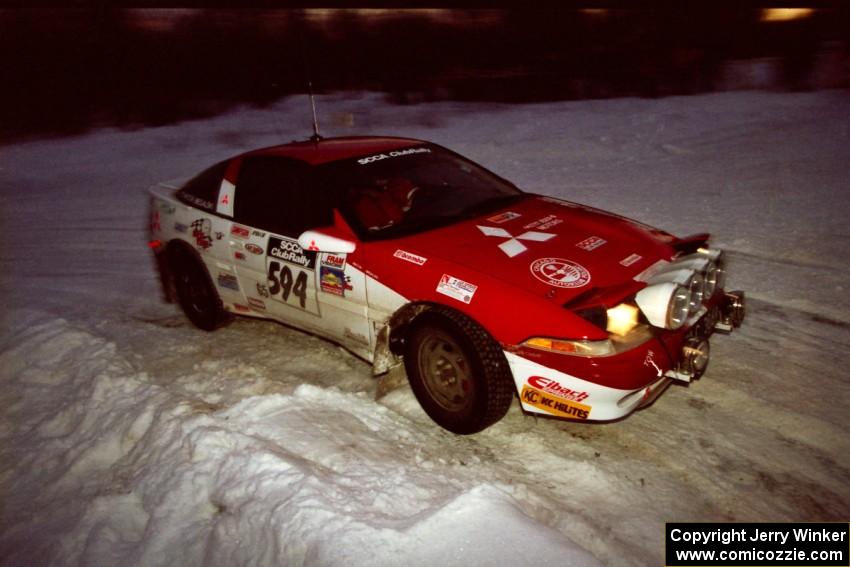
129,437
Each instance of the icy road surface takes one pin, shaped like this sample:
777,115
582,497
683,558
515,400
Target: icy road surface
129,437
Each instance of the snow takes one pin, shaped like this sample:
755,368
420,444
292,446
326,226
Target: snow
127,436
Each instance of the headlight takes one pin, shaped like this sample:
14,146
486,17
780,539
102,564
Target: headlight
622,319
573,347
665,304
715,276
697,288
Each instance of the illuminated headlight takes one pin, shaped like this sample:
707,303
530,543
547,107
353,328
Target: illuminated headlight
715,275
573,347
665,304
697,288
622,319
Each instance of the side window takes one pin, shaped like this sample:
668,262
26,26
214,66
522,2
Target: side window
202,190
276,194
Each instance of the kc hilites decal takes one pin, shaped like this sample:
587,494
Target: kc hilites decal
558,272
456,288
591,243
553,403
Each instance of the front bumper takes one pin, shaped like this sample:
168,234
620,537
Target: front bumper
610,387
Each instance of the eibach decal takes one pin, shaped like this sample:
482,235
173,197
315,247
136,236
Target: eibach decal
556,389
591,243
410,257
512,246
504,217
559,272
456,288
552,405
202,233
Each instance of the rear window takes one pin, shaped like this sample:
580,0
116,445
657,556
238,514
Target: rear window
202,190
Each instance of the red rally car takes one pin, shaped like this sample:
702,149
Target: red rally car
406,252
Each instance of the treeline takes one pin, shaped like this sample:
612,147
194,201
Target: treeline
65,70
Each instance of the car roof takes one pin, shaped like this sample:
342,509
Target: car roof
332,149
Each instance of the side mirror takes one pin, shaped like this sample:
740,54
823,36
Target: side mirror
326,240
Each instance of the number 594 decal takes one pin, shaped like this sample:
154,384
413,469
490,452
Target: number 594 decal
283,284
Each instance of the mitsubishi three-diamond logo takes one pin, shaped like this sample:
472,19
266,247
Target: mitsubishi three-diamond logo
512,246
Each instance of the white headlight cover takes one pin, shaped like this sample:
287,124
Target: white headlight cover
665,304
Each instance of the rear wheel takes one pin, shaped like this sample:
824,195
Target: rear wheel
457,371
195,291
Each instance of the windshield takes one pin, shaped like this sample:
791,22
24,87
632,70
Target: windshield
401,192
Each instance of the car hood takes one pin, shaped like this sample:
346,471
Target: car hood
548,247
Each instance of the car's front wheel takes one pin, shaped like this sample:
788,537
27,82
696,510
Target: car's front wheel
195,291
457,371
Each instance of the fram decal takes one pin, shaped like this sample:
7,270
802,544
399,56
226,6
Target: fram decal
202,233
556,389
629,260
553,405
558,272
456,288
333,261
288,250
512,246
229,281
253,248
591,243
409,257
504,217
333,281
546,222
239,231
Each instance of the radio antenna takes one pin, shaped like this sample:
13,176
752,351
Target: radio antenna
315,137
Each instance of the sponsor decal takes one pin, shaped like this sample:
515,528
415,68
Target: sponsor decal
242,308
333,281
262,290
257,304
155,224
456,288
558,272
165,208
197,201
288,250
202,233
219,235
553,387
334,261
629,260
253,248
552,405
649,360
504,217
395,153
410,257
258,233
229,281
180,227
239,231
546,222
239,255
512,246
591,243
